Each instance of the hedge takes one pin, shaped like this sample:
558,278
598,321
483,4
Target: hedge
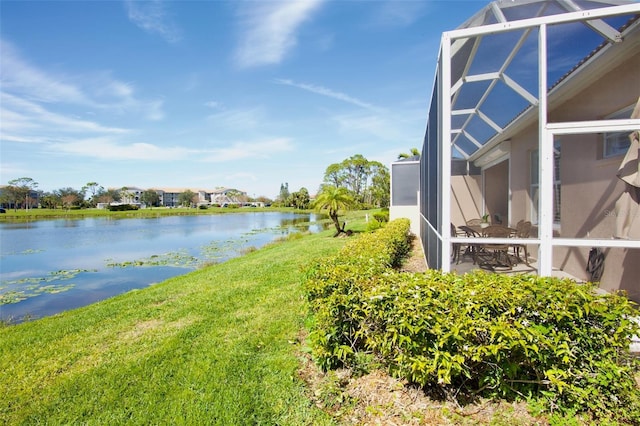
335,286
479,334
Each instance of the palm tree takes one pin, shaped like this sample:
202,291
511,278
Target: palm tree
414,153
334,199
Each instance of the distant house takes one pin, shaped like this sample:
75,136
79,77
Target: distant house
170,197
226,196
530,119
131,195
32,200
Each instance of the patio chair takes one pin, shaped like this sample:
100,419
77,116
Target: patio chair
457,247
495,256
523,230
474,222
471,249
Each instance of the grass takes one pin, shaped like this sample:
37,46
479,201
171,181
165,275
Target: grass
216,346
34,214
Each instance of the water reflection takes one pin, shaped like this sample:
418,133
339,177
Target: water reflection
54,265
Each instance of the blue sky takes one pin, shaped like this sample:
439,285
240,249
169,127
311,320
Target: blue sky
202,94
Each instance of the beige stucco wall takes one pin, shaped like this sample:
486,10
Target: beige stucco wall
466,198
590,187
496,183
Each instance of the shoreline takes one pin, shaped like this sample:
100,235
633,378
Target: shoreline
44,214
23,302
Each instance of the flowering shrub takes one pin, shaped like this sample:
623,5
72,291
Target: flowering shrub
478,334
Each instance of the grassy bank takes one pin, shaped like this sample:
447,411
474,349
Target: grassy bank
36,214
215,346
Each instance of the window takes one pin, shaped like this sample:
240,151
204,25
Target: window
535,184
617,143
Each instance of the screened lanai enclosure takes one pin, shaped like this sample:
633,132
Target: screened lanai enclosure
530,119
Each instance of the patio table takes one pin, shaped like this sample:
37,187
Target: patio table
489,255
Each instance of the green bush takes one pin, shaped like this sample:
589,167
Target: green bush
335,285
122,207
374,225
508,337
479,334
382,216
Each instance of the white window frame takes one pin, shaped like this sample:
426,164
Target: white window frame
619,138
534,187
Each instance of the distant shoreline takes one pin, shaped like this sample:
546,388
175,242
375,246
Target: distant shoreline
42,214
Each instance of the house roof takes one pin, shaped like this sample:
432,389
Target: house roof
494,60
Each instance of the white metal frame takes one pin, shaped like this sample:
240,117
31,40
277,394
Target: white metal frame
450,42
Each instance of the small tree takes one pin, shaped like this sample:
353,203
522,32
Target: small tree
237,197
186,198
300,199
333,199
50,200
128,195
283,196
91,189
108,196
380,190
150,197
69,197
19,190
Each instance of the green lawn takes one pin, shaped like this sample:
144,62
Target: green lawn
217,346
35,214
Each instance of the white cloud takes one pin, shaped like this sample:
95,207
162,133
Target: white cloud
270,30
213,104
114,88
25,116
319,90
153,18
153,109
106,149
393,13
237,118
120,97
40,106
400,127
18,76
244,150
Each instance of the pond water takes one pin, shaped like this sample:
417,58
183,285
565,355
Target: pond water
51,266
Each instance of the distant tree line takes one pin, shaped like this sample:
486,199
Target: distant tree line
23,193
366,183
